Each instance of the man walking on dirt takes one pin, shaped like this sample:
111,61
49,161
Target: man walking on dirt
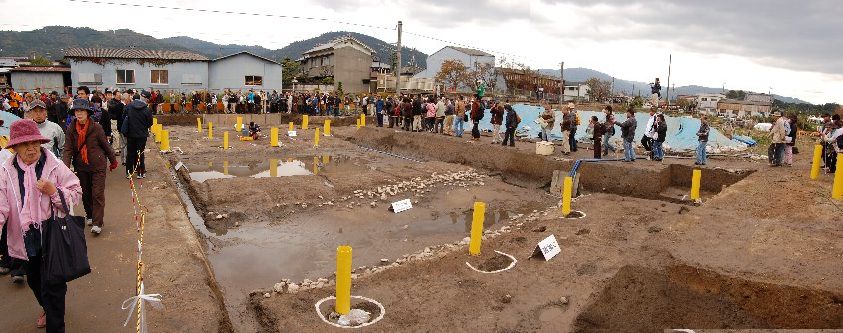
136,123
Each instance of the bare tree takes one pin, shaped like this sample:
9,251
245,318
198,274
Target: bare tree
598,90
452,74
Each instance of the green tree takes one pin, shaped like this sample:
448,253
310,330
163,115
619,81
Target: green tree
736,94
40,60
290,70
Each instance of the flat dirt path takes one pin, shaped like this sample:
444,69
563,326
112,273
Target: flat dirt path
175,268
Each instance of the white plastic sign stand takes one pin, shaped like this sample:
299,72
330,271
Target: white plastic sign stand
291,133
400,206
179,165
548,248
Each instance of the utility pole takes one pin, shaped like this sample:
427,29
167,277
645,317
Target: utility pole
398,64
670,62
561,84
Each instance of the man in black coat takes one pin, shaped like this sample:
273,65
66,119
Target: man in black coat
137,119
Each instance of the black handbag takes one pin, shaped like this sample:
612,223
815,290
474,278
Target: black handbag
65,250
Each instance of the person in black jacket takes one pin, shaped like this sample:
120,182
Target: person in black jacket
658,140
137,119
512,120
115,113
57,110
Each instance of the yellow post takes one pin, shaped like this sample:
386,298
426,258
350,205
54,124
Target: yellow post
199,125
363,120
154,121
815,165
567,190
477,228
315,165
837,188
156,131
327,127
695,184
225,168
292,127
225,140
326,159
210,130
165,140
273,167
343,293
316,138
239,126
304,120
273,137
358,123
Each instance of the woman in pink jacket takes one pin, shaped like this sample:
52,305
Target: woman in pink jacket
30,183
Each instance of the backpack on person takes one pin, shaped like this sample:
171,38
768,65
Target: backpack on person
576,118
517,119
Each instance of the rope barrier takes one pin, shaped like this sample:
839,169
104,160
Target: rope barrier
137,301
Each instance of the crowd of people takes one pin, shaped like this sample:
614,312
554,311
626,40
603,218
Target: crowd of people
62,150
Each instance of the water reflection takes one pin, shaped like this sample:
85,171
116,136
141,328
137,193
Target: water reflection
273,167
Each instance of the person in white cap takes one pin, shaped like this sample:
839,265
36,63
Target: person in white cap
38,113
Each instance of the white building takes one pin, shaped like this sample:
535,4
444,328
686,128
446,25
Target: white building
100,68
707,103
576,92
471,58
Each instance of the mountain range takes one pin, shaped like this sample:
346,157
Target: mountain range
628,87
52,40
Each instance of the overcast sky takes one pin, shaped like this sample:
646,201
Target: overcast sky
793,47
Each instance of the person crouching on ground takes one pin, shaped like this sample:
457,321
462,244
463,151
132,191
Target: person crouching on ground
659,134
86,148
29,194
512,120
254,130
597,130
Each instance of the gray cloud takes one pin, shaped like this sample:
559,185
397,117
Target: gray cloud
798,35
444,13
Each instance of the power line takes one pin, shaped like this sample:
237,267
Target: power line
294,17
234,13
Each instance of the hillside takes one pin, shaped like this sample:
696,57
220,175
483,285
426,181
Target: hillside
50,41
581,74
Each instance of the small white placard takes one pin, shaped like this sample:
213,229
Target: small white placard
400,206
291,133
179,165
548,247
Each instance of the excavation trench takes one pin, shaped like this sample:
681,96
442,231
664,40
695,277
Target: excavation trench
642,299
667,182
264,242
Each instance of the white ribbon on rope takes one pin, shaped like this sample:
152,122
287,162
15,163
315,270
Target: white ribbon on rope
152,299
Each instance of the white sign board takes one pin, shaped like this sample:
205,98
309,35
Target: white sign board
548,247
400,206
179,165
291,133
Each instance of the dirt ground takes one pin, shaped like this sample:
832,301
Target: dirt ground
761,253
763,249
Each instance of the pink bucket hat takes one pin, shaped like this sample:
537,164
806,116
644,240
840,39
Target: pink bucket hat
25,130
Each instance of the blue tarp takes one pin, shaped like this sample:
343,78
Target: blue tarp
681,132
8,118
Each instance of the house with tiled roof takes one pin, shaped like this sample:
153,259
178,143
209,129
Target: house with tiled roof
170,70
344,59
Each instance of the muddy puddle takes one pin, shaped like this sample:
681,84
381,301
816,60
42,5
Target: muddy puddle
271,167
258,255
